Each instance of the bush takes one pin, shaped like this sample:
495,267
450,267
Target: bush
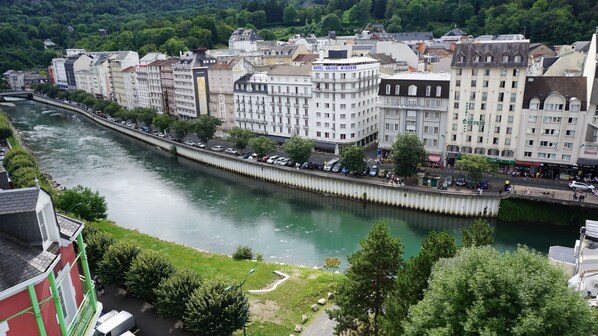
116,262
173,293
82,202
147,270
259,256
216,309
243,252
5,130
20,161
96,245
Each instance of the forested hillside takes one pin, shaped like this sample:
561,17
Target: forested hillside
174,25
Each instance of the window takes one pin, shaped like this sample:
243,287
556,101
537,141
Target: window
574,107
498,118
527,154
566,157
42,226
476,58
458,83
531,131
514,84
515,71
456,105
473,83
485,84
517,58
529,143
504,58
412,90
484,96
507,142
397,89
488,58
438,91
428,91
568,145
387,89
570,133
495,141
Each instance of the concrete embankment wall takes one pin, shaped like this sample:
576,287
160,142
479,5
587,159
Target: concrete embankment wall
424,199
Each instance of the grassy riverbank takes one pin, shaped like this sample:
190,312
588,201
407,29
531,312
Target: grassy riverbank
520,210
274,313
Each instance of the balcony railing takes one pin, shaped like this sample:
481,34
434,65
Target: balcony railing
83,317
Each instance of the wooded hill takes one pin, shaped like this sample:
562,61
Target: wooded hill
174,25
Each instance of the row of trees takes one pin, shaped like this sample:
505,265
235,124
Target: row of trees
205,307
23,170
450,290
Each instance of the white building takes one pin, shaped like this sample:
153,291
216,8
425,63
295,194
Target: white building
552,125
100,76
251,101
414,103
344,101
487,84
117,62
588,156
244,39
288,102
222,78
130,84
191,84
59,73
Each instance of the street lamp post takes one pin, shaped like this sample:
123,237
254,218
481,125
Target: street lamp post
240,286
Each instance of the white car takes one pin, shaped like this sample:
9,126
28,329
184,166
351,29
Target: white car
231,151
581,186
189,143
160,134
272,159
280,161
217,148
200,145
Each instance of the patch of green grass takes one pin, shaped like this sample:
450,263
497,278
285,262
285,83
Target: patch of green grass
12,141
291,299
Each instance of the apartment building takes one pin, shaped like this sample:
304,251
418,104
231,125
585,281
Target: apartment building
131,88
59,73
415,103
251,101
486,97
117,62
244,39
344,94
74,64
289,91
191,84
552,124
143,78
167,80
222,78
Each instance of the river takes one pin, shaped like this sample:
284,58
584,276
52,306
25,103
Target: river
206,208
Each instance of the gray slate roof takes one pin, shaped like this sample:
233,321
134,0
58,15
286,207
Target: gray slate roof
18,200
20,263
68,227
496,49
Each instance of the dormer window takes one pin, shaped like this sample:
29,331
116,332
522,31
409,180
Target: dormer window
460,59
476,58
397,89
412,90
388,89
428,91
505,58
438,91
517,59
42,226
488,58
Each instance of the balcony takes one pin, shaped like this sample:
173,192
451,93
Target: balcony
296,105
288,115
83,317
287,105
305,117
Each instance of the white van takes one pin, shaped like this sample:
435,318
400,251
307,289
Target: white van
116,325
330,164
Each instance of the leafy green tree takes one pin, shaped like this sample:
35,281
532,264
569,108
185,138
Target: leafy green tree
145,115
290,15
83,202
262,145
258,18
181,128
476,165
479,233
394,26
216,309
330,22
412,280
116,262
484,292
173,293
369,279
332,263
240,137
205,127
147,271
163,121
353,157
96,245
407,153
299,149
267,35
5,130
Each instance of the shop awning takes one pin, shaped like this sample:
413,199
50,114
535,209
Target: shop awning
528,163
434,158
587,162
498,161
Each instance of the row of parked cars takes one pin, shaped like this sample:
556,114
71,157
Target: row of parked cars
461,181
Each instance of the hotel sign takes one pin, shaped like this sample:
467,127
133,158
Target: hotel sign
334,67
473,122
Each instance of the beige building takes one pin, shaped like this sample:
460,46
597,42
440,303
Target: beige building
116,64
487,86
167,79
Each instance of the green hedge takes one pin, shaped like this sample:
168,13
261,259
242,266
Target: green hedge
520,210
23,170
5,130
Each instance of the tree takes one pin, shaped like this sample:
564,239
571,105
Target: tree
205,127
479,233
216,309
181,128
353,158
407,153
262,145
82,202
330,22
145,115
476,165
290,15
96,245
258,18
117,261
369,279
267,35
412,280
484,292
240,137
332,263
173,293
299,149
147,271
163,121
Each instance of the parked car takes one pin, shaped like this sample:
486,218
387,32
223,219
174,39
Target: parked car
116,324
272,159
280,161
290,163
200,145
366,171
374,171
189,143
231,151
264,159
336,168
245,156
345,170
382,173
470,184
449,180
581,186
217,148
483,185
160,134
330,164
305,165
460,181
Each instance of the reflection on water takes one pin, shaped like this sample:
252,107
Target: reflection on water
211,209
